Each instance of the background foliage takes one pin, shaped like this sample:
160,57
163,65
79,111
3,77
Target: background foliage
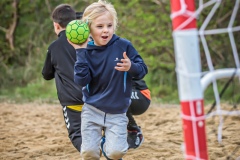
26,31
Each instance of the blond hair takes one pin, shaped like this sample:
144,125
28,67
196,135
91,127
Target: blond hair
96,9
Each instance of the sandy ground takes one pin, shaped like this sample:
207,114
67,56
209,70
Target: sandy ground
37,132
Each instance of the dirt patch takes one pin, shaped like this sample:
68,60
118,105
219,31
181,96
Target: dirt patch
37,131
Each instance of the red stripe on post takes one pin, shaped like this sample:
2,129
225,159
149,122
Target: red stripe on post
177,21
194,131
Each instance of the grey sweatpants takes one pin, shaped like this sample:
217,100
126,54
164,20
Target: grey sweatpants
115,126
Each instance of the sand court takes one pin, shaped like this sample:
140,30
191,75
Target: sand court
36,131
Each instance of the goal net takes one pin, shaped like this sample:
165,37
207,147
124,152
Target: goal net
207,42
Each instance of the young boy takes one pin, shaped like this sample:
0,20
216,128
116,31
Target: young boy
59,64
141,99
105,69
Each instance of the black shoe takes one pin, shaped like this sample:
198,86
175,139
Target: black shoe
135,137
134,127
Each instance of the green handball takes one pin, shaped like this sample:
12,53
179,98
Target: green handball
77,31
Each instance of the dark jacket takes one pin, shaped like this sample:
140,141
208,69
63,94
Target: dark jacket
139,84
59,64
105,87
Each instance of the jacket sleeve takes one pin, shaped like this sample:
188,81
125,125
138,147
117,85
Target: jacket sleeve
82,75
48,69
138,68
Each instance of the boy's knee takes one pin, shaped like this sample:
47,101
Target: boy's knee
116,154
90,154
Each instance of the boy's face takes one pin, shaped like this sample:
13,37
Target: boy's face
102,29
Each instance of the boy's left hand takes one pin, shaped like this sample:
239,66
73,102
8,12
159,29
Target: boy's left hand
77,46
125,65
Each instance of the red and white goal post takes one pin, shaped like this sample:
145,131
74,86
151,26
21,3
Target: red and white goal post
188,68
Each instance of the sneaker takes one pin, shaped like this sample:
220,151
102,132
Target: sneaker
133,127
135,138
101,148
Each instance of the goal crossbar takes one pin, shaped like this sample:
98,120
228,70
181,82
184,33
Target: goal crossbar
218,74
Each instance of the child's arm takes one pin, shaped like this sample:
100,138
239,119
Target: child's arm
81,70
132,62
78,46
138,68
125,65
82,74
48,69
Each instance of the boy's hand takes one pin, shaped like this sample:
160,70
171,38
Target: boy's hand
77,46
125,65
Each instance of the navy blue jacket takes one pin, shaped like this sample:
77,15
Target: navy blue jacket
104,87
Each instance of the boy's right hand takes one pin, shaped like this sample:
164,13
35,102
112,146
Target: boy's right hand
77,46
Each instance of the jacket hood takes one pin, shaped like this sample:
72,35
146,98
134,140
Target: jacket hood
91,44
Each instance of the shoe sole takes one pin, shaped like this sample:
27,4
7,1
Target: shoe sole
141,142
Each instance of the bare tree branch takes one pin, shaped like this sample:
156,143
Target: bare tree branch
219,21
12,27
48,6
3,29
160,3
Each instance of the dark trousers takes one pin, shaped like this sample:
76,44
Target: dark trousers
139,103
72,119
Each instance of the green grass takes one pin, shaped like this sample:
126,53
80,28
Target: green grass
45,91
40,90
